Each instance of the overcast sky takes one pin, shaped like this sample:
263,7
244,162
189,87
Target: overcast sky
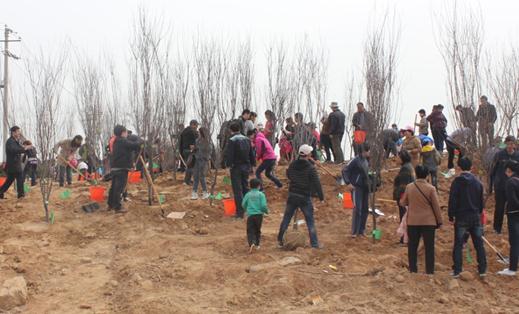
340,25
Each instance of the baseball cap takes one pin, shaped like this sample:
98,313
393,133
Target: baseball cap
305,150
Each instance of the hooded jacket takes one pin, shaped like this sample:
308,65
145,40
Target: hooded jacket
465,198
498,177
303,179
187,138
238,152
512,195
13,153
356,173
264,150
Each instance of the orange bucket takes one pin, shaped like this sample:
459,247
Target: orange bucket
97,193
359,136
229,207
347,201
2,180
134,177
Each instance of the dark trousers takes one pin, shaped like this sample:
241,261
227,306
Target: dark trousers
415,233
326,142
240,186
119,179
30,171
390,148
18,176
473,226
439,137
268,167
304,203
360,198
65,170
254,229
451,147
188,171
338,155
513,239
486,135
499,212
434,178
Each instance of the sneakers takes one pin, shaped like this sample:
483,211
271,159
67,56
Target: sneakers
121,210
455,275
205,195
194,196
251,248
280,245
507,272
451,173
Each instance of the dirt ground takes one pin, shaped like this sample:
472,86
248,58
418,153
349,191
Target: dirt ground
142,263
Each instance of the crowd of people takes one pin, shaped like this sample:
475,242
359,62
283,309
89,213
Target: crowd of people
247,145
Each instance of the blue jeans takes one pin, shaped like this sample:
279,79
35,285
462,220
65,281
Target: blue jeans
360,198
473,226
199,172
513,238
268,167
240,186
304,203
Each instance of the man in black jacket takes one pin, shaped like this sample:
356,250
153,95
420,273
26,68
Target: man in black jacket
356,176
337,121
121,162
487,117
13,164
498,179
239,156
465,208
303,180
512,211
186,145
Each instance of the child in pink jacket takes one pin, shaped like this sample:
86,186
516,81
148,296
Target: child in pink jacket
266,155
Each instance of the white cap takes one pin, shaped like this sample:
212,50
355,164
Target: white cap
305,150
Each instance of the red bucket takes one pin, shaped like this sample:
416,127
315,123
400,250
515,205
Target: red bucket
134,177
347,201
2,180
229,208
97,193
359,137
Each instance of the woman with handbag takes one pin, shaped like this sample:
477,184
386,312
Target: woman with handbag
423,218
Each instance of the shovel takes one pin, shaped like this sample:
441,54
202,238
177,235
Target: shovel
504,259
338,180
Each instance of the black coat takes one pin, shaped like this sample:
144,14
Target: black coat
497,176
14,151
187,137
304,179
239,152
122,155
337,121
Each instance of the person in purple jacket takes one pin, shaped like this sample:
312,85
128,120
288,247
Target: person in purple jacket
266,155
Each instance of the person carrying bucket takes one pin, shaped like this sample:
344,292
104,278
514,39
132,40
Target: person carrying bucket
362,121
239,156
303,179
355,175
121,163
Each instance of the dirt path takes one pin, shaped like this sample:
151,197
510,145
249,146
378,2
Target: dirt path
141,263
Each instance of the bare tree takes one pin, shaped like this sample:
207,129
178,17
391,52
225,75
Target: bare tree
89,85
46,76
460,40
503,83
352,97
380,53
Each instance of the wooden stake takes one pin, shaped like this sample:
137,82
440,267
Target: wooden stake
150,183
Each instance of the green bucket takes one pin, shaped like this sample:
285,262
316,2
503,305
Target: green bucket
227,180
65,194
155,166
162,198
377,234
219,196
26,188
51,217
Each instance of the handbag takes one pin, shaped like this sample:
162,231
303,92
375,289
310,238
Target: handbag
428,201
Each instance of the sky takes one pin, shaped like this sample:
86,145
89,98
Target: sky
340,26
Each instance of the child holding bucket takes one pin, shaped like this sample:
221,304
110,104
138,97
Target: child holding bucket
255,203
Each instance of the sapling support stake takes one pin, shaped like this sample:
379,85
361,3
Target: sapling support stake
152,186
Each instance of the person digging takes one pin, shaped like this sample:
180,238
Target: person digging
303,179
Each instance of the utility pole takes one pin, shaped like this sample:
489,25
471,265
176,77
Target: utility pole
7,54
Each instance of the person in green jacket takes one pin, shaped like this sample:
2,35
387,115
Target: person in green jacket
255,203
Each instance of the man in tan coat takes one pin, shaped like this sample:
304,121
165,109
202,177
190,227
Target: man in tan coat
66,150
423,217
412,145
